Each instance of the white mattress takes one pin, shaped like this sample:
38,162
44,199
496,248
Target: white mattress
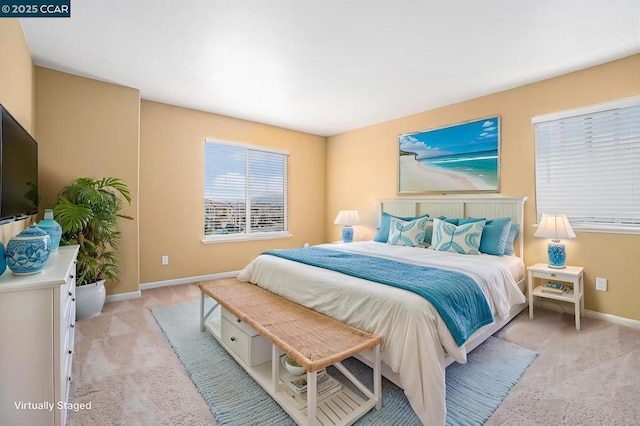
415,338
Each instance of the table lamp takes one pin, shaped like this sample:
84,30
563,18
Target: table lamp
555,226
347,218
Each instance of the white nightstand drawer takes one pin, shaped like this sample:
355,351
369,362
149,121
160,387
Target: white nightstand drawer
553,276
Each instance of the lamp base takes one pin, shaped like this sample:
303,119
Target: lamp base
347,234
557,254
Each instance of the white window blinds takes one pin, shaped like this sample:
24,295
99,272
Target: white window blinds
588,166
245,192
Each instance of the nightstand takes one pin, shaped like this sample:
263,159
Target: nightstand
570,274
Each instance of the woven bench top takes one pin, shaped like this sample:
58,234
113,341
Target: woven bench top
314,340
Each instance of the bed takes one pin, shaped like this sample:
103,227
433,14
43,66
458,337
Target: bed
417,344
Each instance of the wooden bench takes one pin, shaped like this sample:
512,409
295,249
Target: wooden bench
314,340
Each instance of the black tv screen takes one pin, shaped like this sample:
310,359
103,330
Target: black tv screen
18,170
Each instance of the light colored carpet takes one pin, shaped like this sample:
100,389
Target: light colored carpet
126,368
474,390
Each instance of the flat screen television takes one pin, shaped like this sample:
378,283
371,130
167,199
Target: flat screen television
18,170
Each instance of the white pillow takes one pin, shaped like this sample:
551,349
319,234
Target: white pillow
464,239
407,232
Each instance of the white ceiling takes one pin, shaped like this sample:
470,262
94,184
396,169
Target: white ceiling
328,66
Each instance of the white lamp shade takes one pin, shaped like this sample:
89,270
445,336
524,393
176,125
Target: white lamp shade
347,218
555,226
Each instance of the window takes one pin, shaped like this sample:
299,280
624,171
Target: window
588,166
245,192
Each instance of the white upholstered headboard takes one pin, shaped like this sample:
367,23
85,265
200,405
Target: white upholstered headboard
489,207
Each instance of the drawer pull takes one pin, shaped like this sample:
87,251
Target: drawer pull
238,320
553,275
69,378
72,325
70,294
71,276
73,300
70,352
233,339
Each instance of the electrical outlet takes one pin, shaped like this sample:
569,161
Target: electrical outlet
165,260
601,284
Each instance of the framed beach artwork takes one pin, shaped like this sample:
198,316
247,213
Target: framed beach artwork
463,157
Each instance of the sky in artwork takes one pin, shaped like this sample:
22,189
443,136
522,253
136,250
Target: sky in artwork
462,139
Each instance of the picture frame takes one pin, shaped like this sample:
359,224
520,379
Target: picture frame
459,158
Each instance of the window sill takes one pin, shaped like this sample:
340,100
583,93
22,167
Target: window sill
231,238
605,229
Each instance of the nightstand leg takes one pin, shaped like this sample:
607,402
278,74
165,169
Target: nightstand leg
577,305
530,294
581,281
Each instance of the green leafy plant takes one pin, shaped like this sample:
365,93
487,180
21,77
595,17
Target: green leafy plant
289,360
88,211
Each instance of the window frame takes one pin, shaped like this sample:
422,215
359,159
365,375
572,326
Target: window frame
587,226
247,236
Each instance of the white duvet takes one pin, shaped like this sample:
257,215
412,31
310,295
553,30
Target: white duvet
414,337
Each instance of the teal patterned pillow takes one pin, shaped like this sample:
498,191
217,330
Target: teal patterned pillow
511,239
382,233
407,232
464,239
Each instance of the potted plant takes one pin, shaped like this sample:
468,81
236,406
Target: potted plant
88,211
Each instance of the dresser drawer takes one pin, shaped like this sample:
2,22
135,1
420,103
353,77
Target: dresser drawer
69,342
67,374
68,299
242,325
68,311
253,350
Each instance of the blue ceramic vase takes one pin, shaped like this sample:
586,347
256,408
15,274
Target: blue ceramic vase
28,252
3,260
51,227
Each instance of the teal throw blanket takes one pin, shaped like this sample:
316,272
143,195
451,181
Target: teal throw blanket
456,296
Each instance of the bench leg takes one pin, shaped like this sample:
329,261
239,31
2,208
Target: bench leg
377,377
312,381
203,316
275,368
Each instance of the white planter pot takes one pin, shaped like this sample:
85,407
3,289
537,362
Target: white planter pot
90,300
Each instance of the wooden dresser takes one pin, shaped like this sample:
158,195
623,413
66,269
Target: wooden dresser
37,320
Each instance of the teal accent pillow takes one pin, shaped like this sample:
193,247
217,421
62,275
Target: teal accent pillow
407,233
494,234
463,239
382,233
511,239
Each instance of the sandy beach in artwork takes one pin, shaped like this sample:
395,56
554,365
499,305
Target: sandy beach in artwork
418,177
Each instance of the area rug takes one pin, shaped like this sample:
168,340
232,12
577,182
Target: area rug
474,390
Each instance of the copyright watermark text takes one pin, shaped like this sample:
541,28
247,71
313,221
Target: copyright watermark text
35,8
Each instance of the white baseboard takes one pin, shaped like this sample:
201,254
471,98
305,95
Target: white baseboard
189,280
590,314
123,296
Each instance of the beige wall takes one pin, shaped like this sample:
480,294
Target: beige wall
16,92
362,168
16,73
88,128
172,194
